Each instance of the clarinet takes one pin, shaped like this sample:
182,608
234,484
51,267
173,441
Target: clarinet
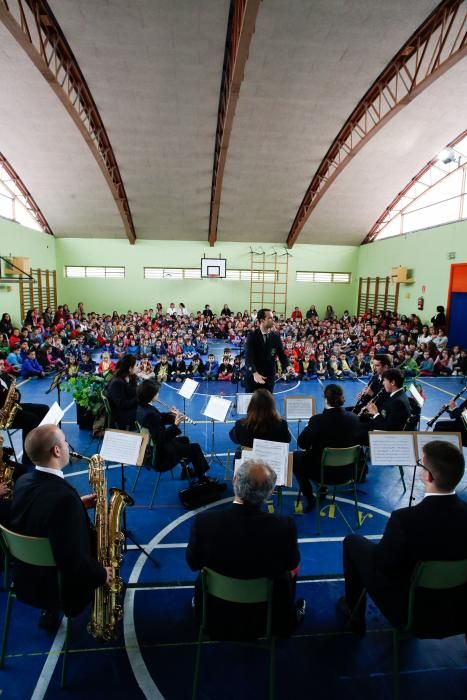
363,409
361,403
444,408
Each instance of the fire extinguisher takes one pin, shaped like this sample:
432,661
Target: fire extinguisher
420,303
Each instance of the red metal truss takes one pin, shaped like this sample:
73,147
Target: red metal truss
241,26
436,45
24,192
396,208
33,25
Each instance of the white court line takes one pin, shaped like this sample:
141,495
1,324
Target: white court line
233,396
181,588
301,540
50,664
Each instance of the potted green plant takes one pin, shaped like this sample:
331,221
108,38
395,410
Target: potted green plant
86,391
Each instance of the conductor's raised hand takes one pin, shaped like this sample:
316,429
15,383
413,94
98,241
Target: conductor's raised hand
259,379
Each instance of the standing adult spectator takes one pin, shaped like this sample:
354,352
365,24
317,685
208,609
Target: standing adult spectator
263,347
121,392
439,319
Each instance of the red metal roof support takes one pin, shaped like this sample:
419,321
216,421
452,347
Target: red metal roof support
241,26
437,45
33,25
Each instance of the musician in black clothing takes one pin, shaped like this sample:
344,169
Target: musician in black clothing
262,348
374,386
335,427
30,414
171,446
121,392
456,423
395,409
262,421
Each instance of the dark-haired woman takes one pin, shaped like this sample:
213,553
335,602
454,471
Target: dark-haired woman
171,446
6,325
262,421
121,392
335,427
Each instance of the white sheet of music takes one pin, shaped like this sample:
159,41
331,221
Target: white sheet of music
299,407
426,437
53,416
392,449
417,395
243,401
217,408
276,454
121,446
188,388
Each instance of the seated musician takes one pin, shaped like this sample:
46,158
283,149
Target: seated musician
395,409
262,421
335,427
28,417
455,424
45,505
121,392
243,541
171,446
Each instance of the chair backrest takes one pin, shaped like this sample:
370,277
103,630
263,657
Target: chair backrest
340,456
439,576
236,590
107,408
30,550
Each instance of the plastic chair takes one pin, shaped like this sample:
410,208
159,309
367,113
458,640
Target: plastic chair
234,590
339,457
35,551
152,447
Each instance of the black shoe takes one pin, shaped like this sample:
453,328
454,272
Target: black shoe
300,610
322,491
49,620
356,623
310,504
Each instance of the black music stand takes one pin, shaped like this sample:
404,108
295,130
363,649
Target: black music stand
56,384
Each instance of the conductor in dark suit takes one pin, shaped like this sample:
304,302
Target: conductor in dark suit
434,529
171,445
263,347
335,427
395,410
46,505
242,541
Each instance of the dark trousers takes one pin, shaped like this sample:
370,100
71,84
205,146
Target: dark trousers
27,419
452,426
307,467
181,448
360,573
251,385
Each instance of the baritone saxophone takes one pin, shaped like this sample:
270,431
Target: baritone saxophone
6,473
107,610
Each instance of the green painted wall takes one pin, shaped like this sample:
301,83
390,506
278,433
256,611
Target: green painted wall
426,254
19,240
134,292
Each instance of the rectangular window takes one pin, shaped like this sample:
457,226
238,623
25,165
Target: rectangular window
94,271
193,273
318,277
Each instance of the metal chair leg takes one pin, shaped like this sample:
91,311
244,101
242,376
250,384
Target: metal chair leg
401,472
195,688
6,628
155,489
65,652
395,639
272,669
136,479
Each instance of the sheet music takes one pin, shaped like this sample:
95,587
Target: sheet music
243,401
217,408
299,407
121,446
53,416
426,437
188,388
396,449
276,454
417,395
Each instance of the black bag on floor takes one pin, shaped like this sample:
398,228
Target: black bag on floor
200,494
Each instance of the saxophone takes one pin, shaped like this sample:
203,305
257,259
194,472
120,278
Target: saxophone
9,408
107,610
6,473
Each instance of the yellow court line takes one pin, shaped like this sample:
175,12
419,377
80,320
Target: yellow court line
432,386
25,381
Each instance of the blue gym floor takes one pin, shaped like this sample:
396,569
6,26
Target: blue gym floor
154,658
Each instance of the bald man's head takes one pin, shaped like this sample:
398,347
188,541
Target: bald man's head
46,446
254,481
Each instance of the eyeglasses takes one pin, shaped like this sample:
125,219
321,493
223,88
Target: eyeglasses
420,464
